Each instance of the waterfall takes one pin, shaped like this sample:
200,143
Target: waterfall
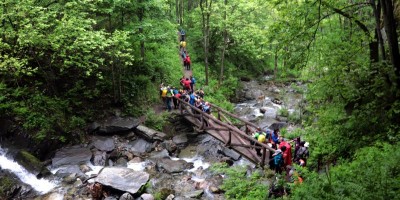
40,185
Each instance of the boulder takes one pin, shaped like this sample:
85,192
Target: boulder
71,155
32,164
67,170
230,153
99,158
194,194
93,127
104,143
180,140
149,134
121,162
118,125
277,125
122,178
172,166
169,145
140,146
146,196
126,196
159,154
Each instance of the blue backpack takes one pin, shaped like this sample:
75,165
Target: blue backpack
193,80
278,160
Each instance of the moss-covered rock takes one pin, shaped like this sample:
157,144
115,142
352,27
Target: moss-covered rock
32,164
6,184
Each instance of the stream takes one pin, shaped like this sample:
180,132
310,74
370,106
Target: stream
187,177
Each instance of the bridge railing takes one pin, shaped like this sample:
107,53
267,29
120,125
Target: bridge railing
206,121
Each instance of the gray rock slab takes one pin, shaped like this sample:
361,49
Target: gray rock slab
159,154
118,125
230,153
123,179
172,166
149,134
194,194
71,155
277,125
140,146
180,139
104,143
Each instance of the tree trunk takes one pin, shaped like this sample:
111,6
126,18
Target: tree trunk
221,76
377,14
390,27
276,64
140,16
205,13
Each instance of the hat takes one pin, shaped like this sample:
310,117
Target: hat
277,152
306,144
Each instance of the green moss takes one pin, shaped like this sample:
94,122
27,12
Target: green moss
31,163
6,184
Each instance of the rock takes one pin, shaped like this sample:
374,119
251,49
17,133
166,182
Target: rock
123,179
277,125
194,194
67,170
71,155
129,155
149,134
172,166
136,160
70,178
121,162
32,164
126,196
159,154
84,168
110,198
263,110
169,145
99,158
104,143
146,196
282,119
170,197
227,160
180,140
215,190
93,127
230,153
140,146
118,125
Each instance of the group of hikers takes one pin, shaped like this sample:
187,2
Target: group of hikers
282,159
186,93
182,49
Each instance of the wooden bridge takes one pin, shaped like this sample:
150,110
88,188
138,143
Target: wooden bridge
224,130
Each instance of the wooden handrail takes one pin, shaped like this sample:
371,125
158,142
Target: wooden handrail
230,127
234,116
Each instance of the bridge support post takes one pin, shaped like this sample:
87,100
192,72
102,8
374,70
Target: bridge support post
228,143
264,152
219,115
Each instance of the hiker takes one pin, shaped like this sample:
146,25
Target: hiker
288,152
186,84
275,138
207,108
163,92
182,46
200,93
192,82
278,160
183,35
187,62
302,154
177,95
183,54
192,98
181,81
170,94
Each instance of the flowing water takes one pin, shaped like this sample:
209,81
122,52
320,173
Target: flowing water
42,186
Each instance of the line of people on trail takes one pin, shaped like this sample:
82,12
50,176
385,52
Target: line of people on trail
187,93
282,159
184,54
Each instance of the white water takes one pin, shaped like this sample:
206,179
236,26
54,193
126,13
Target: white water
41,185
197,163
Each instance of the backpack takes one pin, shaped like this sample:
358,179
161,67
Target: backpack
302,152
278,160
193,80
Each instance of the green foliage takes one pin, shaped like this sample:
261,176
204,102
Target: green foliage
6,184
284,112
238,186
155,121
373,174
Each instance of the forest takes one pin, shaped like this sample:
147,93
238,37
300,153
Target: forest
65,63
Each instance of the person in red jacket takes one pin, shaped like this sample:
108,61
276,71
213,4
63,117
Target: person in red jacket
187,62
288,152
